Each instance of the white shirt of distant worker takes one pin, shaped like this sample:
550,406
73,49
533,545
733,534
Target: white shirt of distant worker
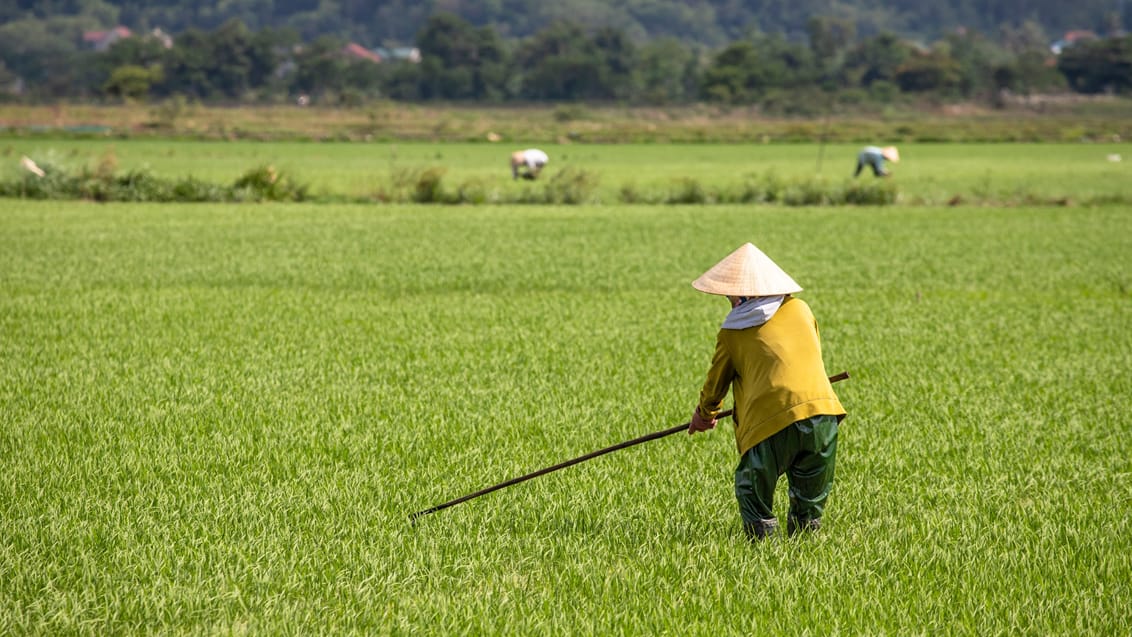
527,163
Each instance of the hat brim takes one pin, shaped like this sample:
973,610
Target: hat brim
746,272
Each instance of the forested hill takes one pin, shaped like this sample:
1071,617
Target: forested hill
707,22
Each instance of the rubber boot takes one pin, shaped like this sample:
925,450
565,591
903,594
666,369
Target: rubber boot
760,530
797,525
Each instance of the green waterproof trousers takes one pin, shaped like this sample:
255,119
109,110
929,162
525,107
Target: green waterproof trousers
805,452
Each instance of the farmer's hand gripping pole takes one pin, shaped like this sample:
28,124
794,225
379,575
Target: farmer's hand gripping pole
589,456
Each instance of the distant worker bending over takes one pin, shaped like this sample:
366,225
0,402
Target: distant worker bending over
874,156
527,163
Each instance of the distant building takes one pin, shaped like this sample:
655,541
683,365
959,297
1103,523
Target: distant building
16,87
401,54
164,38
285,68
359,52
1071,38
102,40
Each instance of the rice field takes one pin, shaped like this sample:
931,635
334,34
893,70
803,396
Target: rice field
217,418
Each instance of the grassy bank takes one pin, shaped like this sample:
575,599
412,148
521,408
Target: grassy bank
1049,121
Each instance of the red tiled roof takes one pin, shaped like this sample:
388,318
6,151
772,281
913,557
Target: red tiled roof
98,36
1079,34
361,52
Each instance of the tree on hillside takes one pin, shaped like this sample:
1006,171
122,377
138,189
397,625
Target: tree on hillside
922,72
562,63
320,67
268,49
729,78
830,37
232,59
1029,72
745,70
830,40
45,53
668,71
188,67
1099,66
618,56
967,61
227,62
702,22
136,61
459,61
876,59
140,51
130,81
8,80
1027,36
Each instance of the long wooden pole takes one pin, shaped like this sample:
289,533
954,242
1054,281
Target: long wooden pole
589,456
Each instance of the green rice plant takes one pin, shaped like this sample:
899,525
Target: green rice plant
686,190
397,186
137,185
1118,199
422,184
808,192
429,187
475,191
570,186
866,193
773,187
753,189
630,193
191,189
266,183
748,190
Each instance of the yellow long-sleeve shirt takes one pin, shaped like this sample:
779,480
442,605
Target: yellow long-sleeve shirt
776,373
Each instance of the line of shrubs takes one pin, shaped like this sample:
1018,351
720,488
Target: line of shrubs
103,183
575,186
427,185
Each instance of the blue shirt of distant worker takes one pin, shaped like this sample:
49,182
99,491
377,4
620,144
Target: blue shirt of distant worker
873,157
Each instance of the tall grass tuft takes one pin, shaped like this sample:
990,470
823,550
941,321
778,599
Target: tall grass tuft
687,191
869,193
265,183
428,187
809,192
571,186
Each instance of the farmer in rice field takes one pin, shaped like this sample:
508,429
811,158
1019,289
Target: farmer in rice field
874,156
768,353
527,163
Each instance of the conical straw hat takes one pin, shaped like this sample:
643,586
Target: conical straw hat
890,153
746,272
